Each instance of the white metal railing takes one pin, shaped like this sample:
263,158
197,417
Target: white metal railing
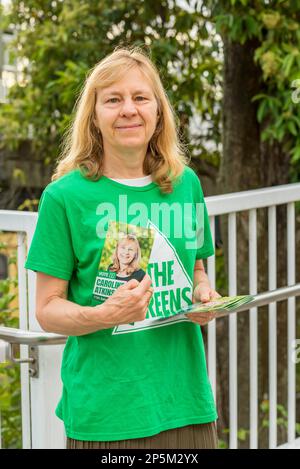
250,201
229,204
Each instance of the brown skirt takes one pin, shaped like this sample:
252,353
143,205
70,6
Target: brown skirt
196,436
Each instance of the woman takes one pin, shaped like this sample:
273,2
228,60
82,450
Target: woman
126,259
124,385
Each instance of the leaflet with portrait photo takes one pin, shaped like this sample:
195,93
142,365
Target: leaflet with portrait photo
125,256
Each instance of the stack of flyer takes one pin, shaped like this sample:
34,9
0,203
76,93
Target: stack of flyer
221,306
227,303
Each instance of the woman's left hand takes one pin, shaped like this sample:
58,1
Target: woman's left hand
203,293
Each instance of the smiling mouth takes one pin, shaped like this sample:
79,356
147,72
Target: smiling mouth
129,127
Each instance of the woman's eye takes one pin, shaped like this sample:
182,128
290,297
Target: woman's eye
114,100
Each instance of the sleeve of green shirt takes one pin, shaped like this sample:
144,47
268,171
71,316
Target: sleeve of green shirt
205,247
51,250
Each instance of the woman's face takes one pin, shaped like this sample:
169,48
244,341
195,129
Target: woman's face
126,112
126,252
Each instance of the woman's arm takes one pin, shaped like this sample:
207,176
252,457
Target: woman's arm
57,314
129,303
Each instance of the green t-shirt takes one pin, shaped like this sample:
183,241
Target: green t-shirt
138,379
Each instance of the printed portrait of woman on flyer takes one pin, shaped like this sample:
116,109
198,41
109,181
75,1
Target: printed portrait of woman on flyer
126,259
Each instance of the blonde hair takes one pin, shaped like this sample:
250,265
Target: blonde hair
135,263
82,145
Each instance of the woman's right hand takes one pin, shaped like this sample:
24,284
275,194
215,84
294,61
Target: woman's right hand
129,303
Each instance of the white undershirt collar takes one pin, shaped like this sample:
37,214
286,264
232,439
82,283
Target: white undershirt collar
143,181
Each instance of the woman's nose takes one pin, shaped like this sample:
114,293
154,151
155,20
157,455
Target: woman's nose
128,107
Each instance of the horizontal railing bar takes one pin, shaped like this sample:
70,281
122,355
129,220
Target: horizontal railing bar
16,220
256,198
18,336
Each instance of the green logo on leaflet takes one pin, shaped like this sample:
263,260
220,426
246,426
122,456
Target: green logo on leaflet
166,299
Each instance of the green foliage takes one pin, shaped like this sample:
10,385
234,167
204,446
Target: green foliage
241,436
275,28
282,423
10,408
10,388
278,110
282,416
63,40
